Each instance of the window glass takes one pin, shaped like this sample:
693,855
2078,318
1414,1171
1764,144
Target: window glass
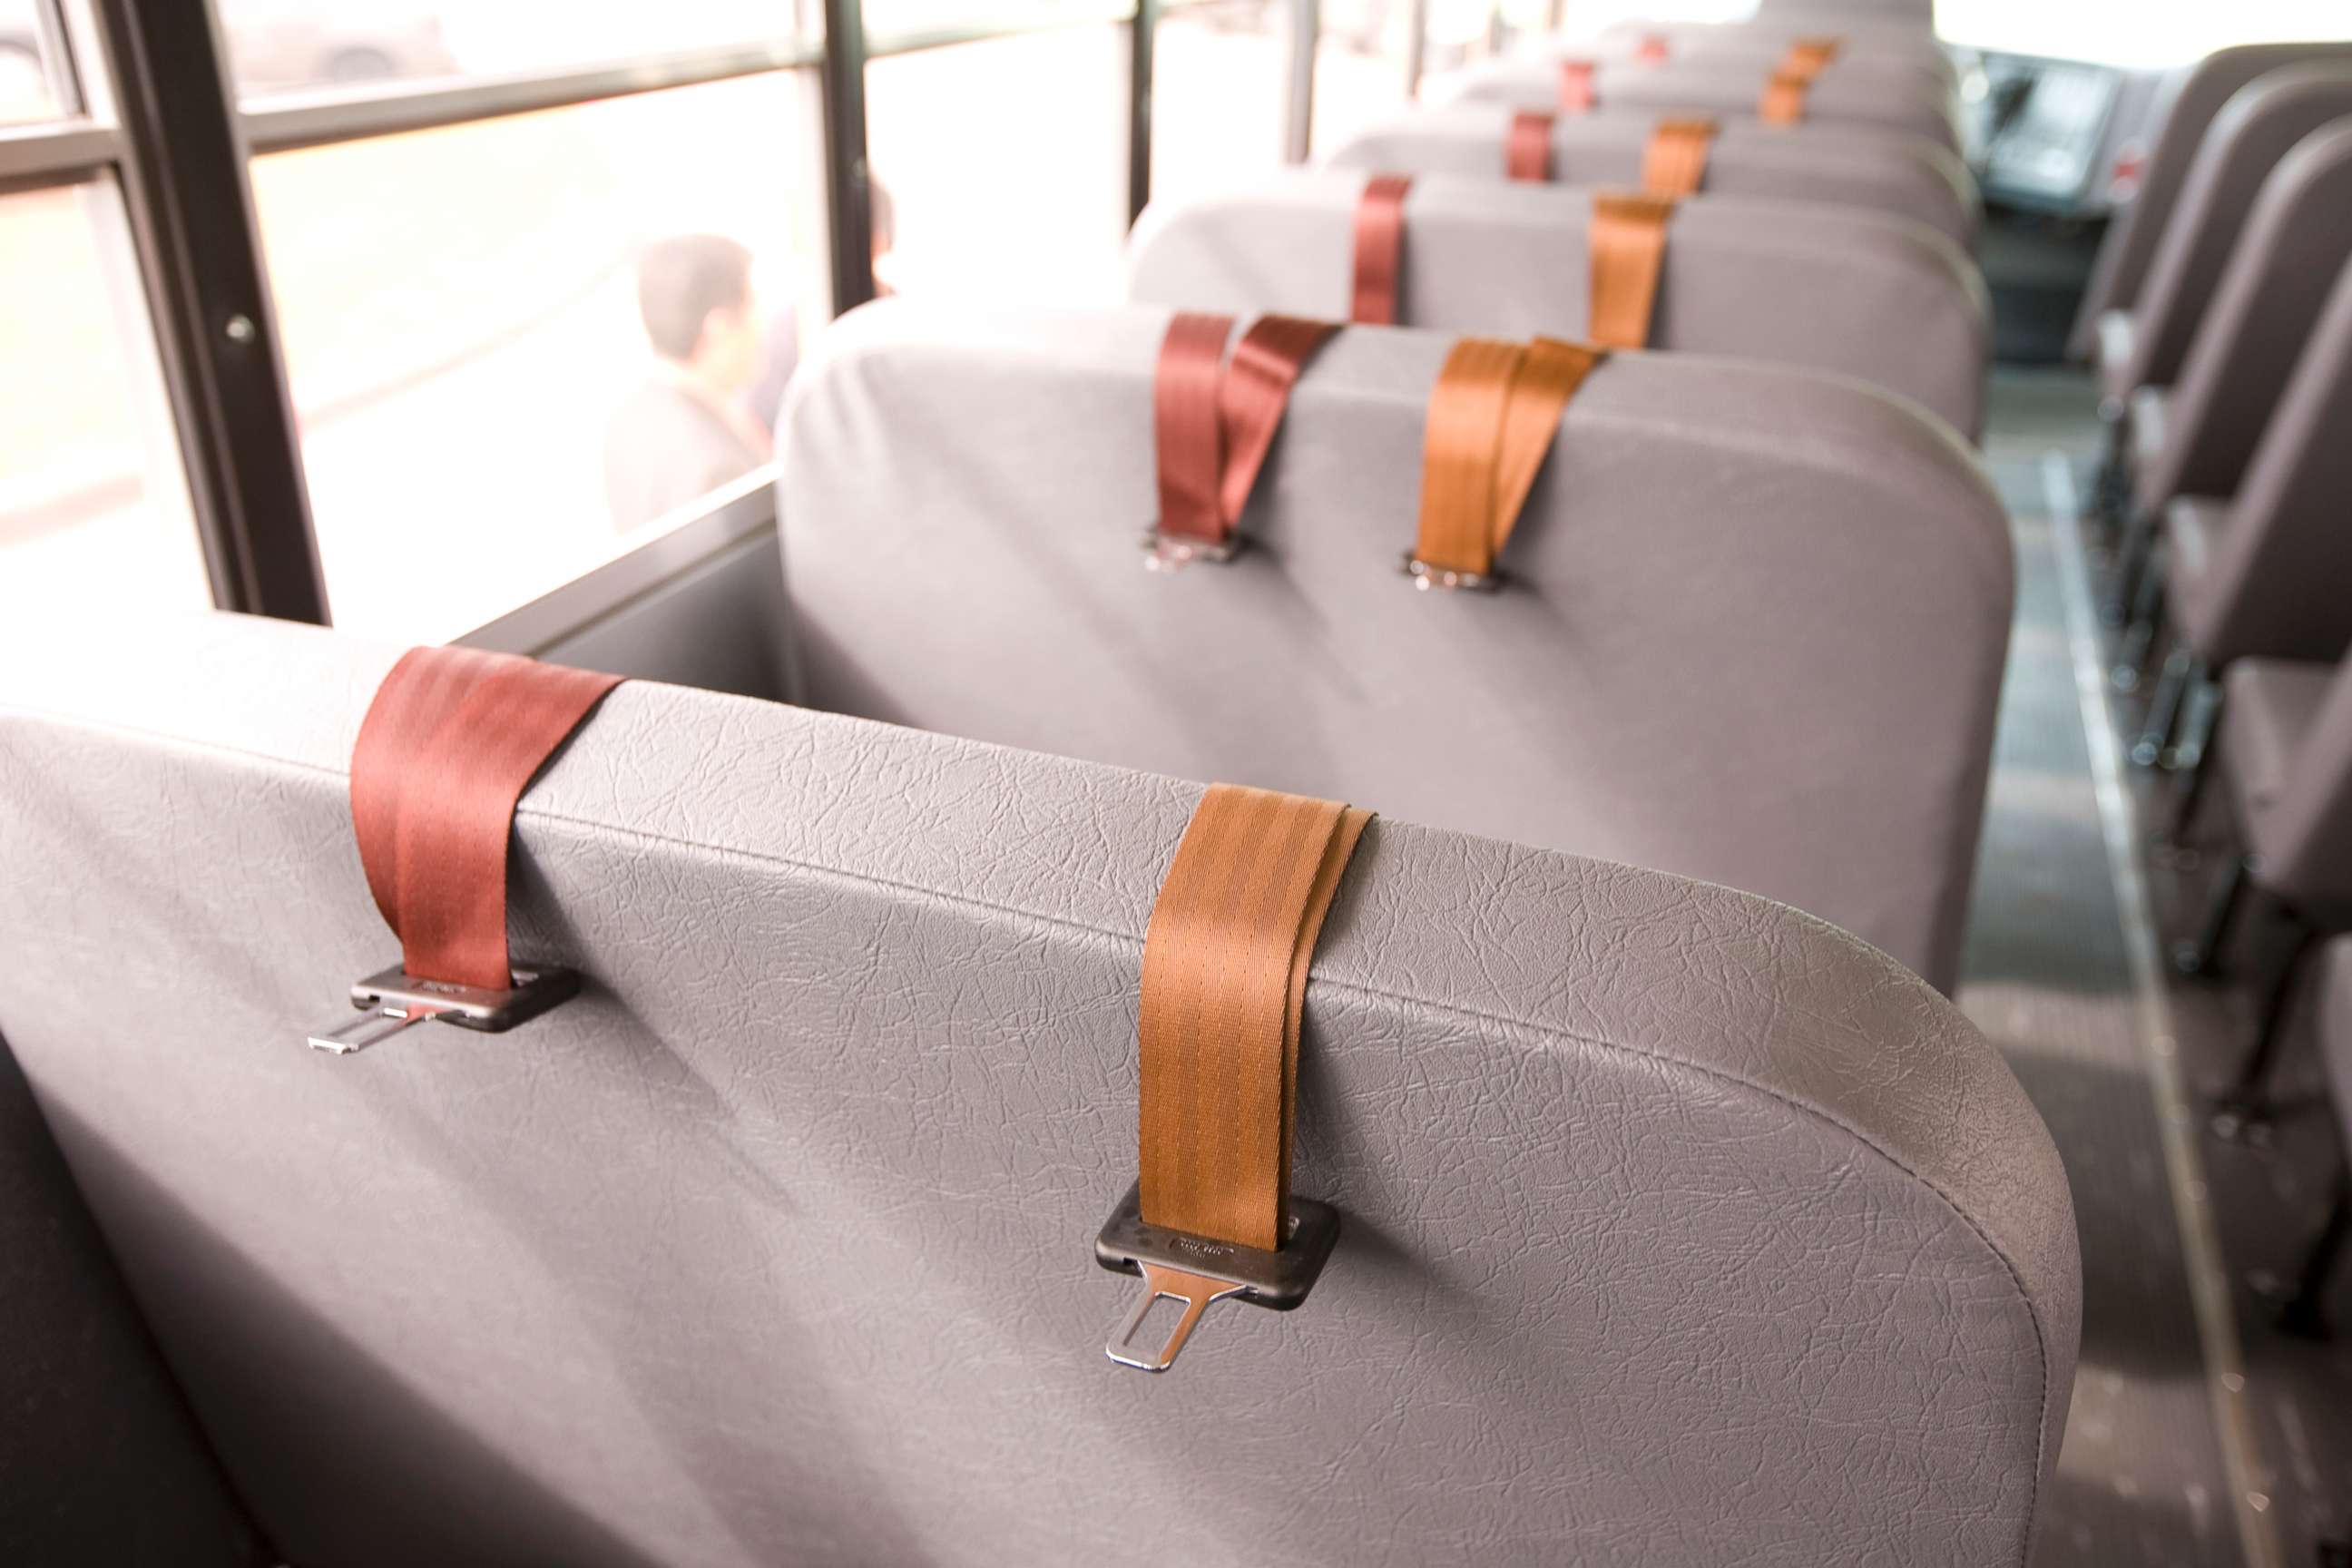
29,68
282,46
2134,34
514,343
1217,82
94,519
1000,167
1359,61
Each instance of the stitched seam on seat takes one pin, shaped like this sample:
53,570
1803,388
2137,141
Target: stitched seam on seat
1521,1025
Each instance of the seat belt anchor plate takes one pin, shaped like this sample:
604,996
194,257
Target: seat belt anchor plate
1196,1271
1165,552
394,999
1426,577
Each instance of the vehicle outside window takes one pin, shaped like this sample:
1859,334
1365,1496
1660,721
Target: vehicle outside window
29,62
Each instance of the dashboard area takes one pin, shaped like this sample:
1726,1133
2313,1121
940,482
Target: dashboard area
2055,136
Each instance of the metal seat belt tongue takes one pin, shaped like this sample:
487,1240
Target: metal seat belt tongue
1225,958
1214,423
451,741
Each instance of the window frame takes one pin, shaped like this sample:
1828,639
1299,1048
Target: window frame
146,98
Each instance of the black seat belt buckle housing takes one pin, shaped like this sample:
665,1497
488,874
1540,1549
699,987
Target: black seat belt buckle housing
394,1000
1195,1271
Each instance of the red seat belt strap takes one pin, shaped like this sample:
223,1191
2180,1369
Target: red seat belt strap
1526,153
451,741
1214,423
1577,94
1378,288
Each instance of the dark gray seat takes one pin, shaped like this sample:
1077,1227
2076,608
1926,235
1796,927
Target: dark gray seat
2197,437
775,1244
1862,294
1661,684
2253,132
1908,176
2131,240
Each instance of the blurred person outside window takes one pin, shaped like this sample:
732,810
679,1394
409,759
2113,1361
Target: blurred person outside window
688,429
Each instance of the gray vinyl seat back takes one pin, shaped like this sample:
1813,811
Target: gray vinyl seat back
775,1244
1861,92
2296,240
2301,828
1768,39
1754,632
2335,1012
1864,294
2254,130
2132,238
2278,583
1908,176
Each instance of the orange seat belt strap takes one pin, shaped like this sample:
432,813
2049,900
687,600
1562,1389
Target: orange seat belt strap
1224,992
1526,153
449,745
1628,251
1214,423
1379,282
1577,94
1492,420
1791,81
1674,163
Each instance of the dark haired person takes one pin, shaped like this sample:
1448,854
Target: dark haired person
687,431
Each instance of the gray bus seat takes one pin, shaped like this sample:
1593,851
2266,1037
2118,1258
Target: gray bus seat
1858,38
2132,237
1878,298
1678,1226
1847,92
1907,176
1754,631
2296,242
2254,130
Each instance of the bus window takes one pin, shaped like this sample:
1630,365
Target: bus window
995,171
29,65
1217,85
94,520
514,341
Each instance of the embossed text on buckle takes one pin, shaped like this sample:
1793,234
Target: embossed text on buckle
396,999
1193,1271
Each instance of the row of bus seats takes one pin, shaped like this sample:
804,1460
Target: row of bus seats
2220,321
1672,1223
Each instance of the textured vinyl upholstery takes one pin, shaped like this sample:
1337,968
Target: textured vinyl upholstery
1908,176
1859,293
2264,312
2286,742
2131,239
1755,632
1891,96
1681,1228
101,1462
2335,1028
2254,130
2278,581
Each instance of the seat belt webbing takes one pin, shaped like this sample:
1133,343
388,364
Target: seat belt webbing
1674,163
1214,423
1628,251
1527,151
1577,95
1792,81
1492,420
450,743
1225,960
1378,288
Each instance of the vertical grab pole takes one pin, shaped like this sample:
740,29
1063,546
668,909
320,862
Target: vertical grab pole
1143,35
1298,127
848,193
1416,48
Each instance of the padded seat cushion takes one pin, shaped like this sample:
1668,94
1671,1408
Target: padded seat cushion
1678,1227
2272,708
1891,97
2334,1016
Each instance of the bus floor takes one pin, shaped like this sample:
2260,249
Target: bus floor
2199,1434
